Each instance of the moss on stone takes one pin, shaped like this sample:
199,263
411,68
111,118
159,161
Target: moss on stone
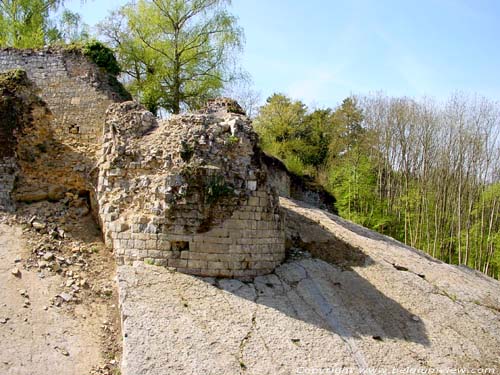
11,79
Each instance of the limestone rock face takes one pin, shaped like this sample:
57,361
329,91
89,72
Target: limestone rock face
381,307
189,192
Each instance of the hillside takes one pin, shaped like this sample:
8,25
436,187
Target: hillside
135,245
373,303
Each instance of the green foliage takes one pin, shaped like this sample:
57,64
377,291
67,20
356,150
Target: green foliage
300,139
102,56
30,24
10,79
217,188
176,53
70,29
353,182
233,140
25,23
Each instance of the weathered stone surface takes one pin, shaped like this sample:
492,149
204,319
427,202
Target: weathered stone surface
57,105
348,314
189,192
76,91
302,188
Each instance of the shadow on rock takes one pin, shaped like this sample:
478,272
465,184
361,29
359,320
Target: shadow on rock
339,301
327,292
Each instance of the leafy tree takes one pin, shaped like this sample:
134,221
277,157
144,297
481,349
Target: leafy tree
25,23
305,140
283,131
349,130
176,53
29,24
70,28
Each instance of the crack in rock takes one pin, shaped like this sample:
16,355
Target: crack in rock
245,339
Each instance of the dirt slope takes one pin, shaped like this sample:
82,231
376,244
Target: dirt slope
41,332
372,303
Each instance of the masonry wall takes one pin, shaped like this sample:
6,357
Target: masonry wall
289,185
16,103
58,150
76,91
8,173
188,193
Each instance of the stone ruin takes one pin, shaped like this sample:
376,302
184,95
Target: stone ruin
189,192
52,113
193,192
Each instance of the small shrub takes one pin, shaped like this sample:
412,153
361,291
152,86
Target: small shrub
102,55
233,140
217,188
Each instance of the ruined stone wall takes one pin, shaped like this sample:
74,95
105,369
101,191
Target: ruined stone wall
188,193
8,173
17,102
76,91
59,150
289,185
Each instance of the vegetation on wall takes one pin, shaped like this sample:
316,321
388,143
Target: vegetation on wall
102,56
425,173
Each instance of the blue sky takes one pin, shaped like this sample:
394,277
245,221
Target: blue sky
322,51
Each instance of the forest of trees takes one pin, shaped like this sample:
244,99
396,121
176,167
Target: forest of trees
424,172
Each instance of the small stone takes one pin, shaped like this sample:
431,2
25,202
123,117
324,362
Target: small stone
3,320
16,272
70,282
38,225
66,297
48,256
23,292
415,318
56,267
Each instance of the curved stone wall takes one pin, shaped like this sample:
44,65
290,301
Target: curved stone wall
189,193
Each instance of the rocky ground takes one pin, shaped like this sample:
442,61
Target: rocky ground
347,299
364,301
58,305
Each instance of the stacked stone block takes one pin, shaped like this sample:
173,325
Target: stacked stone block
188,193
66,100
76,91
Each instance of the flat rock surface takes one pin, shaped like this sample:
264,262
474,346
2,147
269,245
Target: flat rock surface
385,307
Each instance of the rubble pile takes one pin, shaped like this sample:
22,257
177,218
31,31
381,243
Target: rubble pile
64,242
